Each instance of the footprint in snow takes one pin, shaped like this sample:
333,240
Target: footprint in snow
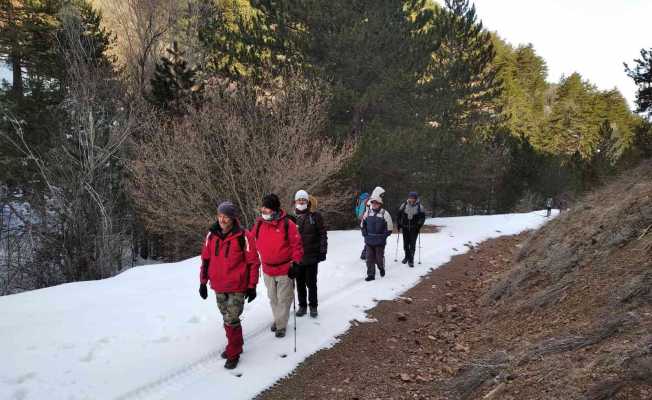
20,394
88,357
194,320
24,378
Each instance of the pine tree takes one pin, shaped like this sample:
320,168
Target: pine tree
368,50
460,85
642,76
174,83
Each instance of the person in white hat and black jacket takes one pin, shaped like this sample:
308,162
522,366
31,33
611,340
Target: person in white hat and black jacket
315,245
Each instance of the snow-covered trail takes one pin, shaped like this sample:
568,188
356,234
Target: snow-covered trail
146,334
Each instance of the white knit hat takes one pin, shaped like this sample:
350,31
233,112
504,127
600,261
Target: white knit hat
301,194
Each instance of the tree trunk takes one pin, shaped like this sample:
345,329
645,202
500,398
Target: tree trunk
17,84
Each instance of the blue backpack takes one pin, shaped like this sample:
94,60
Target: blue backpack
361,205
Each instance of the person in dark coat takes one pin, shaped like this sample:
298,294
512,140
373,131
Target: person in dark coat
376,227
411,218
315,245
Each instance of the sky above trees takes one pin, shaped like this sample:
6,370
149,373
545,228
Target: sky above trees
592,37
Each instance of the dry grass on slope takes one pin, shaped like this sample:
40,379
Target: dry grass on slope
575,311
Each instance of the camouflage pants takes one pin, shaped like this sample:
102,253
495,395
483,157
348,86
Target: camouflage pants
231,306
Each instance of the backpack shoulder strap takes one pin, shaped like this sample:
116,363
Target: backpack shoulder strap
242,241
287,225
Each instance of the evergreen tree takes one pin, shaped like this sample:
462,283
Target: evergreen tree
174,82
572,128
460,85
33,41
368,50
642,76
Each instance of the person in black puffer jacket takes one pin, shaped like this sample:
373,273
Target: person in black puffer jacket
315,245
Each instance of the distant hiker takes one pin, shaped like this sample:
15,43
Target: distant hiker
279,245
411,218
360,208
377,192
376,227
315,244
548,206
230,262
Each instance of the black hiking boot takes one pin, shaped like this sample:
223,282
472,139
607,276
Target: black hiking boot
369,278
232,363
313,312
301,311
280,333
382,271
273,327
404,261
411,264
224,355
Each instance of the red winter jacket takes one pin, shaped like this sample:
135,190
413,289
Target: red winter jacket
279,244
230,262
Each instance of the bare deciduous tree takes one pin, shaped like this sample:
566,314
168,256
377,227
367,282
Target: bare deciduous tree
142,28
243,142
79,230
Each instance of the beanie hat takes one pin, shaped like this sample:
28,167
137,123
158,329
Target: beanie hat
301,195
413,195
227,208
272,202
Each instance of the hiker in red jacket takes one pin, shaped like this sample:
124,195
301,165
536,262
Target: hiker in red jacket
279,245
230,262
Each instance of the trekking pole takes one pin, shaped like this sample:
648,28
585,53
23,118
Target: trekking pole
419,237
294,311
396,252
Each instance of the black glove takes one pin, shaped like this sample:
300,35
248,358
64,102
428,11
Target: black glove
322,257
293,271
250,295
203,291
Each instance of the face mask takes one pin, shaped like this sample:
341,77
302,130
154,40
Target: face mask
266,217
301,207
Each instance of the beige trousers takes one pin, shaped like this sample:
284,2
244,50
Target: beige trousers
280,290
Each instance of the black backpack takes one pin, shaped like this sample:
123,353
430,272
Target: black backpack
242,242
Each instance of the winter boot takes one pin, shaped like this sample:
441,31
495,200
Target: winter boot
301,311
404,261
224,356
382,271
369,278
411,264
273,327
313,312
280,333
231,363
